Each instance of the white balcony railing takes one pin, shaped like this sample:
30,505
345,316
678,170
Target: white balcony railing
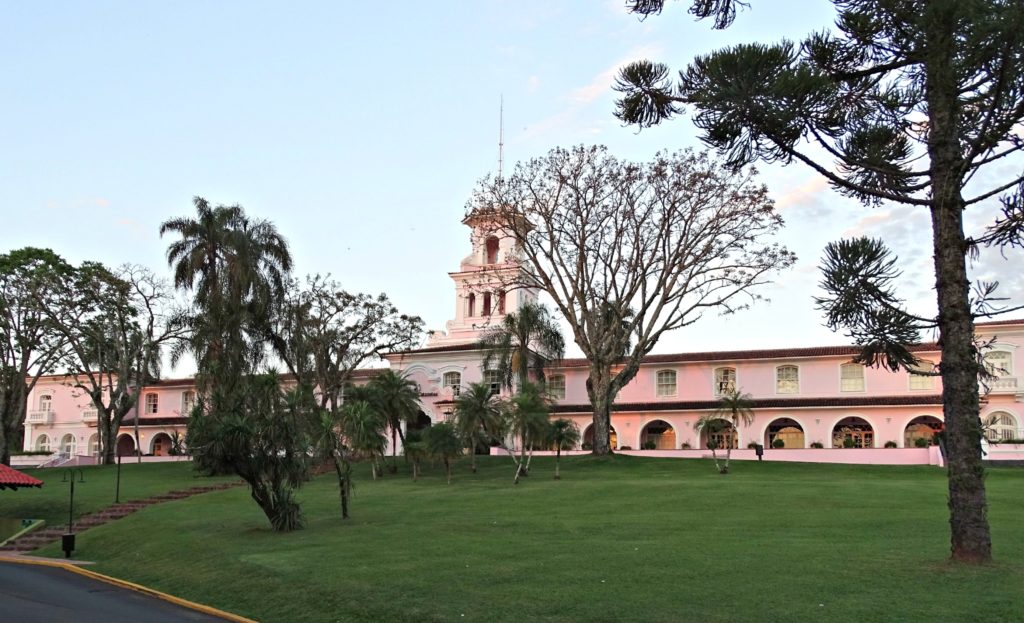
1003,384
40,417
89,416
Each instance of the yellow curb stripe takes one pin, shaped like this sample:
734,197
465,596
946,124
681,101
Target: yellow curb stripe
132,586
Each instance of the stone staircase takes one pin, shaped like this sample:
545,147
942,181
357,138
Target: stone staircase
44,536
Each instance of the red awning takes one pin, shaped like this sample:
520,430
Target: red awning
12,479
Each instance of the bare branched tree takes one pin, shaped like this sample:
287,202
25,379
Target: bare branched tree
630,251
116,324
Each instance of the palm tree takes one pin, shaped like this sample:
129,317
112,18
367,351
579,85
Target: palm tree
398,400
327,444
363,428
524,341
527,416
563,434
736,408
415,449
443,442
711,424
477,417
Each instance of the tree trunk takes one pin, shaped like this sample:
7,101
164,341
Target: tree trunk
448,470
599,391
728,454
558,458
969,530
342,486
5,452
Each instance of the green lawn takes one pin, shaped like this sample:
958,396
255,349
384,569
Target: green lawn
626,539
137,481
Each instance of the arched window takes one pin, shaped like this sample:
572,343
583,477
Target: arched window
787,380
725,381
851,377
492,251
472,305
999,363
665,384
920,375
42,443
556,386
1000,426
152,404
501,301
45,402
69,445
453,380
94,445
487,304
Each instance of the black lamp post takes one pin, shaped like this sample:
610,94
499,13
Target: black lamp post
68,540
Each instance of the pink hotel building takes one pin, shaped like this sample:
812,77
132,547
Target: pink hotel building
813,402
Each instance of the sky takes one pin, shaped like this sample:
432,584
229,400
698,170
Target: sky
360,130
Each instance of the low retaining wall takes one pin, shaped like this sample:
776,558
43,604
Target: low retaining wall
855,456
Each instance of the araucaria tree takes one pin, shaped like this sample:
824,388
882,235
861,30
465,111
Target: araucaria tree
917,102
628,251
523,342
29,348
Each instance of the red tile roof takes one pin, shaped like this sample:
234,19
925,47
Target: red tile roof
997,323
437,349
765,403
13,479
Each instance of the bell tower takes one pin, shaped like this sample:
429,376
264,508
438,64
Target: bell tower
487,284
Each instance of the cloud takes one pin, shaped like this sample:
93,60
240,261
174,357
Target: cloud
580,98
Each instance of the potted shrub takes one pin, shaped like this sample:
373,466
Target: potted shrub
778,443
849,443
921,442
890,444
817,444
650,445
685,446
752,445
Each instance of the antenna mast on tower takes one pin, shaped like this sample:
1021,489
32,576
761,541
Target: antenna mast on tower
501,136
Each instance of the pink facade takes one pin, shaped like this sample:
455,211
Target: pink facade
803,397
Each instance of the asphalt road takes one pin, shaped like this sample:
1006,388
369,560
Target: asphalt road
37,594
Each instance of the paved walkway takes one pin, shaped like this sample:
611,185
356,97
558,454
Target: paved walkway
37,594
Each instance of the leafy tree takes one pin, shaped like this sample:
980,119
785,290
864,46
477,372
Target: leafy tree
912,102
628,251
30,347
324,333
562,434
265,443
525,340
526,418
363,428
443,442
477,417
737,408
710,424
397,398
115,324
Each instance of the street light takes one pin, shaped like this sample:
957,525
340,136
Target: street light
68,540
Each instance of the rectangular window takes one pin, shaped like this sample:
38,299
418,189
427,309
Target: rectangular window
487,303
787,380
188,400
851,377
725,381
666,383
922,381
151,403
453,380
556,386
493,378
999,363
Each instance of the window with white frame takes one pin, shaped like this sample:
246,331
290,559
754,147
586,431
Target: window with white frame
725,381
851,377
45,402
920,375
453,380
665,384
556,386
188,400
493,378
999,363
151,404
1000,426
787,380
42,443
